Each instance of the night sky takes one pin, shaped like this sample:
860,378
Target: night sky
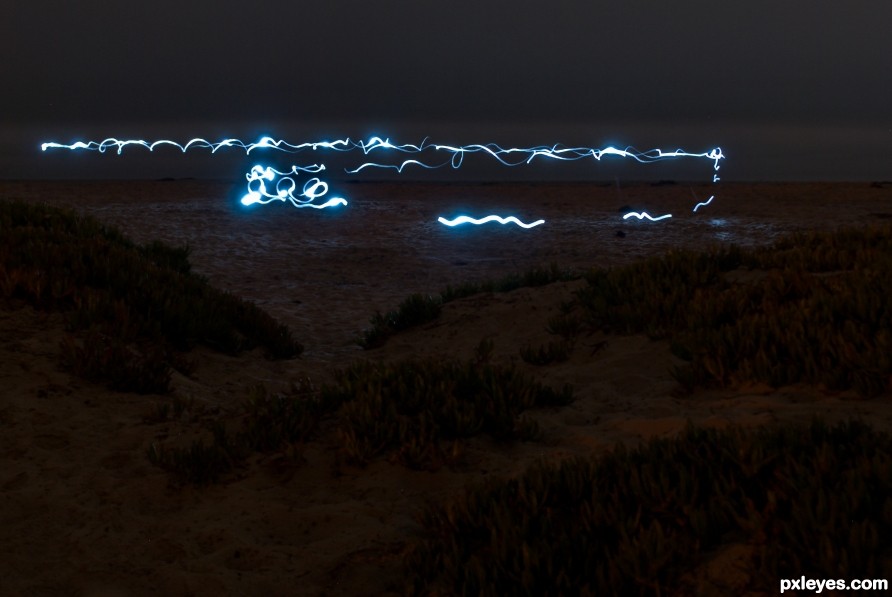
792,90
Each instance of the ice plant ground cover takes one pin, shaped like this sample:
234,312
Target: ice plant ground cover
766,491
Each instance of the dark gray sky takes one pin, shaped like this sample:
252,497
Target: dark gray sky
790,90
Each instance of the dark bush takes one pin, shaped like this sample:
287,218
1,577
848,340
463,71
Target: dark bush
807,499
141,302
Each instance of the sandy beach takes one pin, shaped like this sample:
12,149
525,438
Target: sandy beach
85,513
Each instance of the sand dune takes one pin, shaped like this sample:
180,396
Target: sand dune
85,513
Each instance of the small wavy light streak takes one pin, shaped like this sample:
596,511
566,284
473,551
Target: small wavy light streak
398,167
469,220
642,215
704,203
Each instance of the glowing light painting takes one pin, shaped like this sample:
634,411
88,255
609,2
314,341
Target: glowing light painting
313,189
285,189
642,215
262,143
522,155
513,156
469,220
704,203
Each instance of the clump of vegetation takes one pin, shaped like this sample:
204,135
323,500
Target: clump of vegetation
411,409
171,409
817,314
416,413
123,365
566,325
200,463
130,308
414,311
418,309
533,277
555,351
805,499
268,423
483,351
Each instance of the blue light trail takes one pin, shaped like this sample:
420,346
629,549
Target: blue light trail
646,215
198,143
525,155
285,188
313,189
469,220
704,203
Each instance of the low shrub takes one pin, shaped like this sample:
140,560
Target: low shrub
408,410
817,314
418,309
533,277
129,307
805,499
555,351
413,311
267,423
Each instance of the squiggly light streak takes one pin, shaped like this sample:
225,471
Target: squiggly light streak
644,214
262,143
469,220
260,194
556,152
704,203
398,167
312,189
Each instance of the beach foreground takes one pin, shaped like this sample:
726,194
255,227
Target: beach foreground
86,512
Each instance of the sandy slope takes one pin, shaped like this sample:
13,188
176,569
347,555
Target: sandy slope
84,513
